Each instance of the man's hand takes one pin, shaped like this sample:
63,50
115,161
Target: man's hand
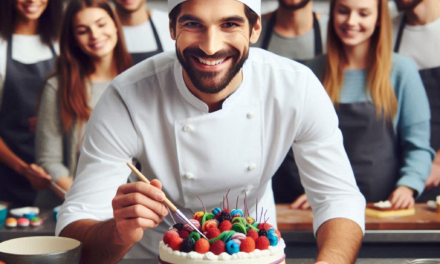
136,207
434,178
300,203
402,198
36,175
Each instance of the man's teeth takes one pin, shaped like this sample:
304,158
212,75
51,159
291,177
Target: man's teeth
211,63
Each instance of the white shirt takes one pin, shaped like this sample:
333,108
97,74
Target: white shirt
27,49
149,114
419,43
141,39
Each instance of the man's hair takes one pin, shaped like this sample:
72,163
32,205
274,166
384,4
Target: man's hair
250,15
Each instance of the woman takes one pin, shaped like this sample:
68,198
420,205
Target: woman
28,31
92,53
381,103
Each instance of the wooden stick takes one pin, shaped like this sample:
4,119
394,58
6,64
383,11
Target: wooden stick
144,179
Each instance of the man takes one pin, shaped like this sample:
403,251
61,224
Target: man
212,117
416,35
145,31
294,30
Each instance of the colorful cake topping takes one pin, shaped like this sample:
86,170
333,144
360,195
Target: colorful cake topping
229,231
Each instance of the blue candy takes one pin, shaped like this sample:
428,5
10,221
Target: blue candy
216,210
29,215
232,247
273,238
237,212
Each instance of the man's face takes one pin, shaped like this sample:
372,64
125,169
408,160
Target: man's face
129,6
404,5
212,42
293,4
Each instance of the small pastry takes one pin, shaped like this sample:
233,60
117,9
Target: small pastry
11,222
23,222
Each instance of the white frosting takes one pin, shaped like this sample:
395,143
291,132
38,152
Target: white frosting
382,204
258,256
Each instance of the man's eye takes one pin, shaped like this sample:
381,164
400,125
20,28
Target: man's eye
229,25
192,24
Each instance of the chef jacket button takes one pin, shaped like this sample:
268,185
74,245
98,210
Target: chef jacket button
188,175
251,167
188,128
250,115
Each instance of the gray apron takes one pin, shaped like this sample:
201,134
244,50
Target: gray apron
20,95
431,81
371,147
316,30
138,57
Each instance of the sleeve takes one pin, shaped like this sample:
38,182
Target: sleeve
324,168
413,128
110,141
49,134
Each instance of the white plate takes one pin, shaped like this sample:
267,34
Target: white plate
19,212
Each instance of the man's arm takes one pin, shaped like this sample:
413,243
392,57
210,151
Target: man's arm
339,241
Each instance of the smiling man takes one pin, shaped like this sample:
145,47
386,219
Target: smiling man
213,116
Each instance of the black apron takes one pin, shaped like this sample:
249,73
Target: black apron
371,147
138,57
20,95
431,81
316,30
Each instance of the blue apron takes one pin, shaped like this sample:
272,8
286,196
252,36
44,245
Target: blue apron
20,95
138,57
431,81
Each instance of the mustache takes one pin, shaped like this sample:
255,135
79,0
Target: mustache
197,52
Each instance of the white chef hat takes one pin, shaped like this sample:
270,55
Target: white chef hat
255,5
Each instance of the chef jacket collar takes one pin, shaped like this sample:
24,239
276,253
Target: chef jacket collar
196,102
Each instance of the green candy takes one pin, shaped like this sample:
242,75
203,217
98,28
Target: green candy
206,217
240,220
225,236
249,226
195,236
238,227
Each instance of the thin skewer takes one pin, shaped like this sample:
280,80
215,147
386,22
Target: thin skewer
166,201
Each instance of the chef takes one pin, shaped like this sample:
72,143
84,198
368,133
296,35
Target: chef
213,116
146,31
420,23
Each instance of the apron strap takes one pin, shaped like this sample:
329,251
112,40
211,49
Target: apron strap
268,35
156,36
400,34
318,38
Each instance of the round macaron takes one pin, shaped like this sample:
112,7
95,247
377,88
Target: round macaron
36,221
23,222
11,222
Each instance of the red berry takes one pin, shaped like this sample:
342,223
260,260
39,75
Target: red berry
213,233
264,226
184,233
252,233
170,234
226,225
218,247
247,245
202,246
262,243
175,243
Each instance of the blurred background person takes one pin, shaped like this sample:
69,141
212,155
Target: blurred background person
380,101
417,36
28,33
92,53
146,31
294,31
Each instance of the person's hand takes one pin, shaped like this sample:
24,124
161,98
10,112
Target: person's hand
136,207
434,178
36,175
300,203
402,198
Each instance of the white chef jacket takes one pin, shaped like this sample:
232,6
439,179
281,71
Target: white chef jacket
149,114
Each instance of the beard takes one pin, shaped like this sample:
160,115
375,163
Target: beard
129,11
211,82
287,6
404,5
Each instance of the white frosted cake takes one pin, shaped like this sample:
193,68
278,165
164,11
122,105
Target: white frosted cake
231,237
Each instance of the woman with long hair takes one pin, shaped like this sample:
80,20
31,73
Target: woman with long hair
381,103
28,33
92,53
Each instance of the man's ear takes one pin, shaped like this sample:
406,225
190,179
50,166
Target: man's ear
256,31
172,33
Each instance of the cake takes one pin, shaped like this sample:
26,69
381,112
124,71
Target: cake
231,237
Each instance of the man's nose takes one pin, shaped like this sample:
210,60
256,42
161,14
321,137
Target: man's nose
211,41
